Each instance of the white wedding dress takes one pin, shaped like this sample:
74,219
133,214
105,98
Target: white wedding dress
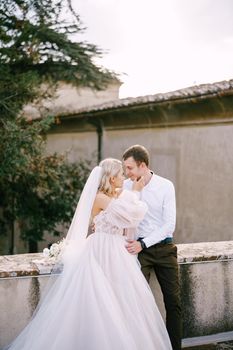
106,303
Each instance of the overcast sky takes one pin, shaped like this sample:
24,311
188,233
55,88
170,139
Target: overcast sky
161,45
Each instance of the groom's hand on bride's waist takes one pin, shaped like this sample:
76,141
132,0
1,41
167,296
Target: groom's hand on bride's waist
134,247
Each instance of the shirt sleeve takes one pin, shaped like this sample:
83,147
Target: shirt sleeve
168,216
127,210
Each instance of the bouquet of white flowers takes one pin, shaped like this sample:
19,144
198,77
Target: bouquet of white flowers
53,252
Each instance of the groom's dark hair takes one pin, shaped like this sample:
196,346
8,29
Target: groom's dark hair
139,154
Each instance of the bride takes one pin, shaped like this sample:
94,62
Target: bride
101,300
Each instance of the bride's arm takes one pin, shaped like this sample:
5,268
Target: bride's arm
127,210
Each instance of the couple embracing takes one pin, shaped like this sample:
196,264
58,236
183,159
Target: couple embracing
102,299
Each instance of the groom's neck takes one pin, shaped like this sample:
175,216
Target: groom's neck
147,176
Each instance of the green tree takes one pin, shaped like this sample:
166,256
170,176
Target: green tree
38,47
38,190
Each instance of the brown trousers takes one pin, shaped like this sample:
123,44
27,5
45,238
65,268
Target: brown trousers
163,259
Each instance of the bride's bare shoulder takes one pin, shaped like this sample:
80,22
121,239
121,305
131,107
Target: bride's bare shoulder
101,202
119,191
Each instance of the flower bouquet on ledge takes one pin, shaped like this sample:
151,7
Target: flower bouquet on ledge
50,258
54,251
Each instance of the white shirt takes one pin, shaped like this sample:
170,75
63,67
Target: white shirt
160,219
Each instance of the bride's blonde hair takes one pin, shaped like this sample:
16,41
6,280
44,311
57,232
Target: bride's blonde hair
111,167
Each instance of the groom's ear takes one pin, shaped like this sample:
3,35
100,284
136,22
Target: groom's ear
143,165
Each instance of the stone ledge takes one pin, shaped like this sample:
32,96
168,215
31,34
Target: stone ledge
35,264
217,341
23,265
205,251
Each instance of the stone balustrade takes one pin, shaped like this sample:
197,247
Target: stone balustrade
206,271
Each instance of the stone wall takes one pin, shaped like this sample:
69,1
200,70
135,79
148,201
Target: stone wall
206,287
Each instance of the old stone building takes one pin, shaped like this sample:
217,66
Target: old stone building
188,132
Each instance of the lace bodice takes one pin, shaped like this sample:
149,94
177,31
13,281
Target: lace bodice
102,224
124,212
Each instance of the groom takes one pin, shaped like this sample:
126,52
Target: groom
154,245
